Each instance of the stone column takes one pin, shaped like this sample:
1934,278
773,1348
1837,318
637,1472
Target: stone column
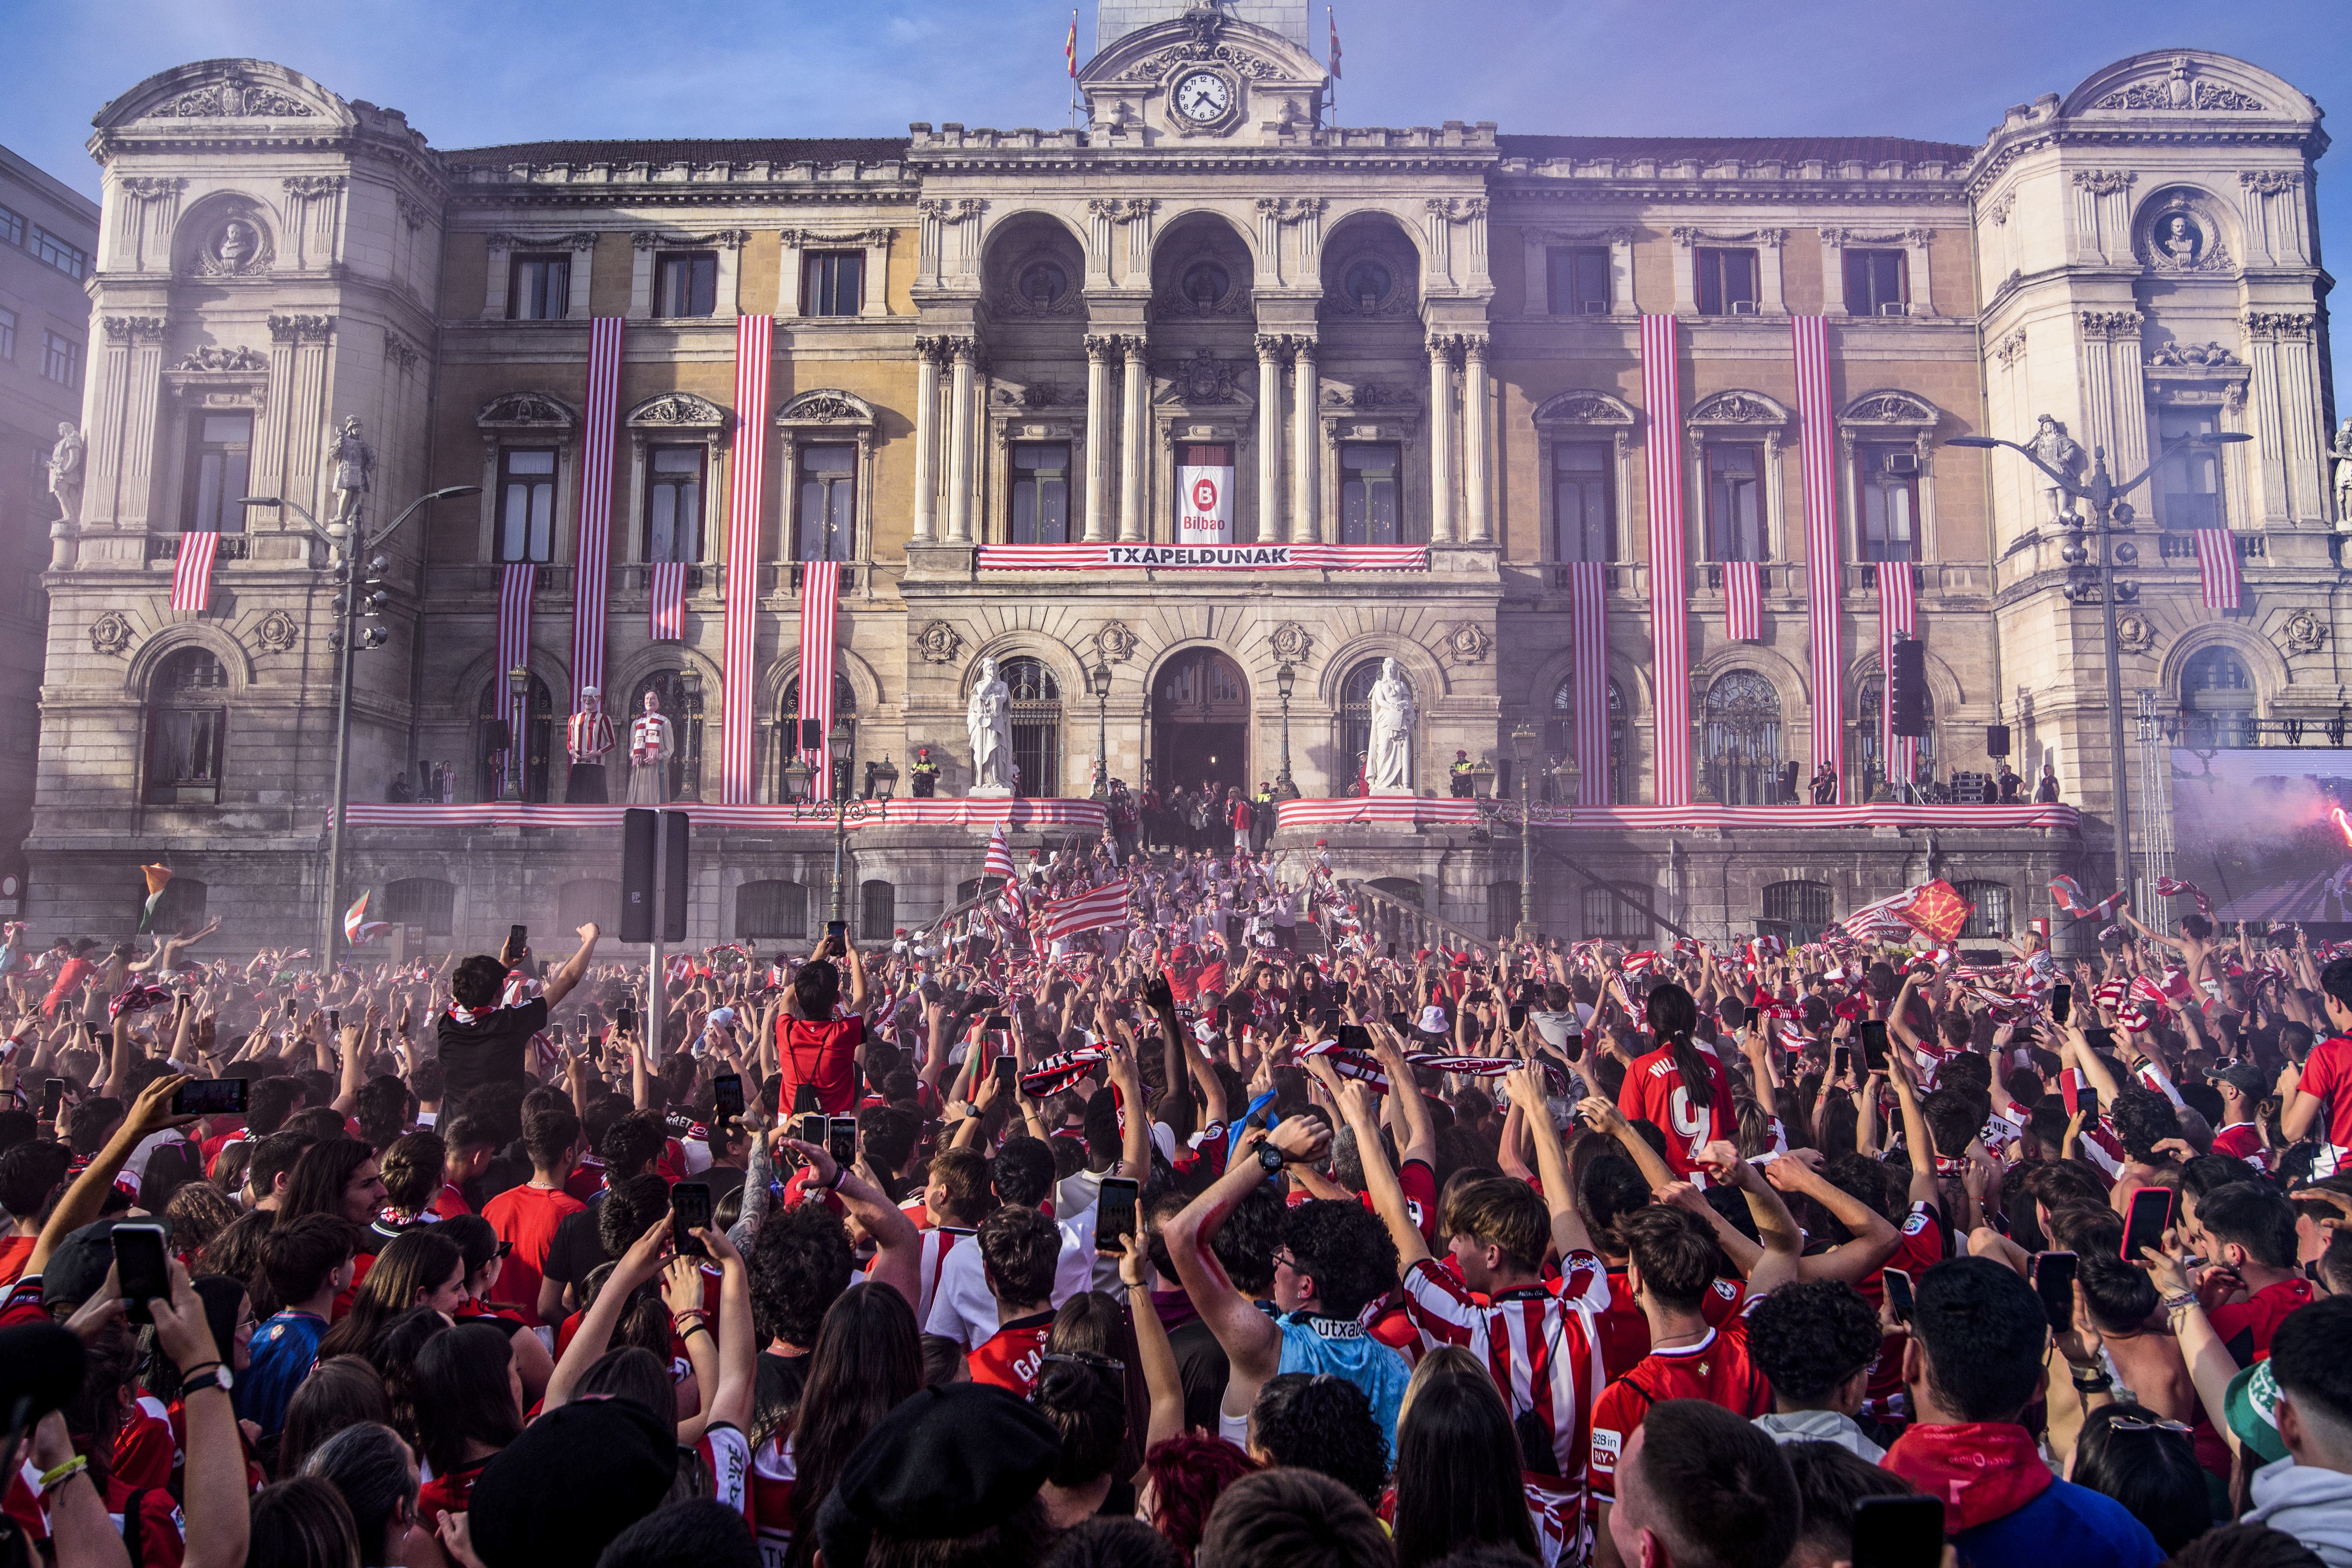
960,443
927,438
1474,438
1306,467
1133,453
1099,428
1441,456
1269,438
141,397
110,374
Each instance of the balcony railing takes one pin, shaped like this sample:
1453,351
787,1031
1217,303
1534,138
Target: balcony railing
2180,545
166,547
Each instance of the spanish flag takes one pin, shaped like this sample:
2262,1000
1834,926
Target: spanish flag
1070,48
158,877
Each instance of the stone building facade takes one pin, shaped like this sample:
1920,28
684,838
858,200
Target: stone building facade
1421,335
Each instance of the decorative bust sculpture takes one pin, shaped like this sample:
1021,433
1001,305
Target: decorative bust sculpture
988,725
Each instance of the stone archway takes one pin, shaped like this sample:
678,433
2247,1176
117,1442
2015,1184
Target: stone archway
1200,721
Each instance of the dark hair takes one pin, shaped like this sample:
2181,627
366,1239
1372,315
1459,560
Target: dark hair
319,1177
2120,1295
1719,1487
411,1169
380,1107
1112,1542
474,1236
94,1121
1322,1422
2152,1472
396,1350
30,1174
2307,1357
1019,1248
1611,1189
476,981
276,1154
369,1467
1983,1333
866,1359
1809,1337
817,986
1345,1250
888,1135
2254,1216
2336,979
335,1394
1831,1479
2142,1119
298,1255
547,1134
695,1533
630,1206
2246,1546
462,1393
1675,1251
1245,1243
1458,1473
1293,1518
799,1264
633,1372
1087,1405
1673,1015
301,1523
415,1260
1023,1171
1952,1121
633,1143
1188,1473
1496,1211
268,1102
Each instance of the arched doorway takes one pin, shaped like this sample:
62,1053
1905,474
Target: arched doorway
494,777
1200,721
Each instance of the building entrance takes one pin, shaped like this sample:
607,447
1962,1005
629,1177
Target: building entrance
1200,723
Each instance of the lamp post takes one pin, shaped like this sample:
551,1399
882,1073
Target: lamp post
1523,747
689,728
349,610
837,745
519,687
1285,680
1098,681
2101,491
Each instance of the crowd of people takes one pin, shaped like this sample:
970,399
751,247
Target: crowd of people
1180,1240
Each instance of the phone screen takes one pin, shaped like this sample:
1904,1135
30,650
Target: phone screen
1898,1532
1008,1072
518,938
727,1094
841,1139
580,1022
1841,1061
210,1097
142,1266
1518,1017
835,930
2054,1282
1873,1045
1898,1294
625,1018
2145,1224
1114,1213
53,1097
335,1018
2100,1038
689,1207
1355,1037
808,1127
1747,1018
2061,1003
1573,1049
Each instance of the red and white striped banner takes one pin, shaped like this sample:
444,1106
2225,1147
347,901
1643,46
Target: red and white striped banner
820,603
1204,558
998,862
1815,421
1669,632
1075,816
738,666
1087,911
593,558
2217,566
666,605
1898,612
1406,810
1743,601
192,572
516,581
1588,603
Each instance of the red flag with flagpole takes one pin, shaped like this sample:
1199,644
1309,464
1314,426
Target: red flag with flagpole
1070,47
1333,20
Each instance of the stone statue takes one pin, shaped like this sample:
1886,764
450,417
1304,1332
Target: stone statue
1388,766
2343,472
351,470
236,245
65,462
651,746
2063,453
988,725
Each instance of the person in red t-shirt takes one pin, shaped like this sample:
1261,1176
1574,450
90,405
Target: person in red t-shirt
2320,1095
813,1046
2248,1231
1019,1248
1680,1087
31,1174
526,1216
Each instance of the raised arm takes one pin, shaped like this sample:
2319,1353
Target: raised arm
150,1114
1872,1242
898,1245
1355,1102
641,1262
1160,1375
213,1498
560,984
1252,1343
1568,1231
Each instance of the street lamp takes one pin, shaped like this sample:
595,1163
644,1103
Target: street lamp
1285,680
885,779
689,729
518,687
1098,681
2101,492
838,759
1523,747
359,545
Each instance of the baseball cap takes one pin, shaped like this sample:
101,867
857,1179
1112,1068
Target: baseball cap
2251,1406
2242,1076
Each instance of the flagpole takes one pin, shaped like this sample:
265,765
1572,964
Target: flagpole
1072,63
1332,24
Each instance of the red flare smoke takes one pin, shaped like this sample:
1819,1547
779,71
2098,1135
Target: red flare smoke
2342,823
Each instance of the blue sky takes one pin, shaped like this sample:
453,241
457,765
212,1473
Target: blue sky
479,73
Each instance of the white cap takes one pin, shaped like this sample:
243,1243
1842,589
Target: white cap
590,692
1433,1020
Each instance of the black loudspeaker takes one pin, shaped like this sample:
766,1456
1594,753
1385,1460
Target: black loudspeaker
495,736
812,734
1907,688
1996,740
638,826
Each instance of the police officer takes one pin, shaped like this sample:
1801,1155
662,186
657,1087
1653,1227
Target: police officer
926,774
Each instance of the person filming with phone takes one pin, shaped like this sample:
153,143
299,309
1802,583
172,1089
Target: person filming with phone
816,1041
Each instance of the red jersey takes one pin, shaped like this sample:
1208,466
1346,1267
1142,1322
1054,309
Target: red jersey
2245,1327
1010,1356
1625,1332
450,1204
1539,1341
527,1216
823,1055
449,1493
1717,1369
2328,1075
1919,1247
2244,1140
1654,1092
16,1252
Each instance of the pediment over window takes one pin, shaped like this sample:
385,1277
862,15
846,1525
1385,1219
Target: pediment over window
1892,409
531,411
1750,410
826,406
680,410
216,95
1585,407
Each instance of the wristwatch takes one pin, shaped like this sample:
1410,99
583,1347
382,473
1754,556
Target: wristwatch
1270,1159
2098,1382
219,1377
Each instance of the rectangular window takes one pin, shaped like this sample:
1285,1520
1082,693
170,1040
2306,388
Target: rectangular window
686,284
61,359
538,288
184,755
833,283
2189,481
527,504
1727,281
7,334
674,504
69,259
1735,501
1040,492
1877,282
828,516
1584,501
12,225
1369,472
1579,281
1888,477
219,459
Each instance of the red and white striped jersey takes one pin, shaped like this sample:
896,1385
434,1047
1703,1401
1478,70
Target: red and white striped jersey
774,1472
938,1243
727,1452
1539,1342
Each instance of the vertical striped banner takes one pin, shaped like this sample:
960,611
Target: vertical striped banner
192,572
1898,610
2217,568
1588,611
820,603
516,581
738,662
1743,601
1814,420
593,556
666,605
1669,632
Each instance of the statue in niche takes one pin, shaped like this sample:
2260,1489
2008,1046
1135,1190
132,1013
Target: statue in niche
2061,452
2179,241
2343,472
351,469
1388,766
987,726
65,465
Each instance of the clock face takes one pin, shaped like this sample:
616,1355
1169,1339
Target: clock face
1203,96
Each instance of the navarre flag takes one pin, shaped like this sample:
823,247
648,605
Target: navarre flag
999,856
1088,910
357,927
159,877
1934,908
2070,897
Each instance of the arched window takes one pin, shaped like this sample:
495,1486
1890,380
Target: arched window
422,901
877,910
1559,742
2217,698
1356,725
1739,749
586,899
1990,916
1795,910
1870,705
1036,717
187,717
681,702
844,735
496,773
771,909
